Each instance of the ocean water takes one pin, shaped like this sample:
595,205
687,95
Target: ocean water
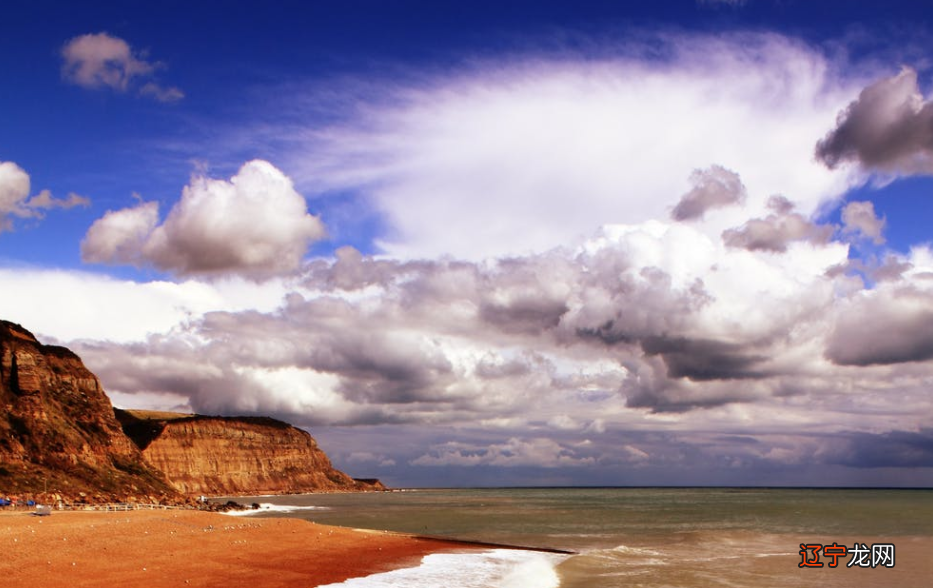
639,537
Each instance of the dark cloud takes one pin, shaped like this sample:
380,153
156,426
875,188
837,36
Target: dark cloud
526,296
715,187
887,326
703,359
894,449
650,385
528,316
777,230
888,128
630,308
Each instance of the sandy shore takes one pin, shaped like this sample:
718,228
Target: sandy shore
186,548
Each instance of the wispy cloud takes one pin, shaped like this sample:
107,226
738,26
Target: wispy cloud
533,152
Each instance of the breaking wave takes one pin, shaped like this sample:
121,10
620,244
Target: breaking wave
267,507
500,568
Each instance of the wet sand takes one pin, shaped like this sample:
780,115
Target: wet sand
159,549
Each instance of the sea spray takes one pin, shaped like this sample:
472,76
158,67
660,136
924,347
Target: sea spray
267,508
500,568
537,572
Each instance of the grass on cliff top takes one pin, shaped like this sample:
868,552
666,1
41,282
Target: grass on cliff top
158,415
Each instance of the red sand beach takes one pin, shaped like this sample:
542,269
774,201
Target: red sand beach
188,548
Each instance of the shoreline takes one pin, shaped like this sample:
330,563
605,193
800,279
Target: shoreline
194,548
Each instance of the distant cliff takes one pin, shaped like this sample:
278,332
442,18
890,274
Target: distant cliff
58,434
235,455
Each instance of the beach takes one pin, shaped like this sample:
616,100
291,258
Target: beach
175,548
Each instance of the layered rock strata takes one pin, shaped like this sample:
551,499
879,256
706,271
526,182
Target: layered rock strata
230,456
59,438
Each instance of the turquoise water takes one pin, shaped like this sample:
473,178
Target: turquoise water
652,537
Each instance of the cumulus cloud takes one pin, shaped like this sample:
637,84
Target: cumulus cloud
888,128
15,200
777,230
637,319
120,235
626,352
715,187
859,218
886,326
97,61
254,224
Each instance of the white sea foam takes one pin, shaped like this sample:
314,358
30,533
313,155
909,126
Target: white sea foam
267,507
500,568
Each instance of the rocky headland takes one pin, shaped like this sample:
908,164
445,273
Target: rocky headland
228,456
61,440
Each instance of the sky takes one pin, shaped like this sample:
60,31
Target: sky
491,243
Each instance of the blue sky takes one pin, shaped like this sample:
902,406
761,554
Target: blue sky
478,243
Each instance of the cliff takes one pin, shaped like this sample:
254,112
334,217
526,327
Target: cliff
60,438
58,434
230,456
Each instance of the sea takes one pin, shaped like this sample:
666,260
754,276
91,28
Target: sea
643,537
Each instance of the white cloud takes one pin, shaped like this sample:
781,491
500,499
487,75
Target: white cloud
254,224
15,201
533,154
100,60
68,305
120,235
14,189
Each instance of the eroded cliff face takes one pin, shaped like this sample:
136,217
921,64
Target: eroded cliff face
228,456
58,433
60,438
